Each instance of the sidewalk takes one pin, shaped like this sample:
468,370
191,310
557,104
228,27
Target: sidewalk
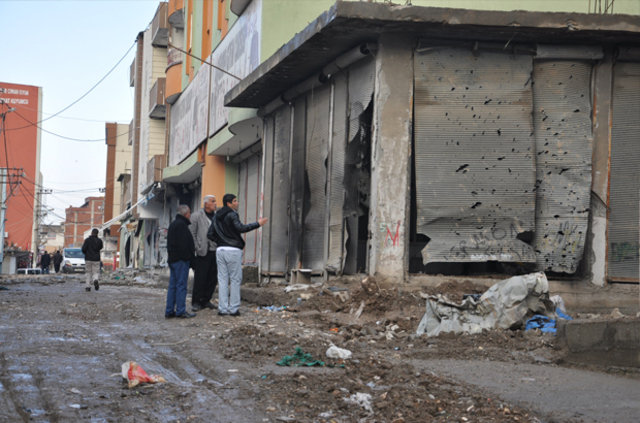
562,394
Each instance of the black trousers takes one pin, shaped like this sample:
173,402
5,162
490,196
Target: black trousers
205,278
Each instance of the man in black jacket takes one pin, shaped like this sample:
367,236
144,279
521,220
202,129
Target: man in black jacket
226,230
180,248
91,250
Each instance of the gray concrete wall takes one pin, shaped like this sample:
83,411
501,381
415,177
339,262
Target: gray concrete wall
391,154
609,342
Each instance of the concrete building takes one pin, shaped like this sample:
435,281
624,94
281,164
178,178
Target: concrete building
142,193
214,149
20,177
78,220
119,161
52,238
403,140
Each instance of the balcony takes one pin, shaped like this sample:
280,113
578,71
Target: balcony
157,107
132,73
176,13
160,27
154,169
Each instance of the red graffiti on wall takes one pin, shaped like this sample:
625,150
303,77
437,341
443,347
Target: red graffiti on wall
394,238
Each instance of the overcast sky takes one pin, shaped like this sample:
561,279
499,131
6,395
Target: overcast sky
66,47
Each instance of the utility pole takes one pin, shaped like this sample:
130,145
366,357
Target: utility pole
8,176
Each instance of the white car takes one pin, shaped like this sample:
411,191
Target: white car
72,260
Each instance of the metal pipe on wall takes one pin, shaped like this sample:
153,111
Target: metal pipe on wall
341,62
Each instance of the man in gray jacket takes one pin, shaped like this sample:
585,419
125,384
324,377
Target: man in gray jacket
204,264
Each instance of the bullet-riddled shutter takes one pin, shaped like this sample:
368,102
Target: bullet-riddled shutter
624,180
474,154
317,144
562,122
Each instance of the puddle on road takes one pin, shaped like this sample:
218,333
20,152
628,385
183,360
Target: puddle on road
19,377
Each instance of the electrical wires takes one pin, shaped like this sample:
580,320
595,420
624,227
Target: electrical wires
76,101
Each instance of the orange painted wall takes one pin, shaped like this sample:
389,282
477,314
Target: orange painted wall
213,177
22,148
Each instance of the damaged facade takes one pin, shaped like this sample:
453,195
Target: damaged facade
402,140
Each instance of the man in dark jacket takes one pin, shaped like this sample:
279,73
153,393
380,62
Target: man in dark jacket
45,262
91,250
180,248
57,260
226,231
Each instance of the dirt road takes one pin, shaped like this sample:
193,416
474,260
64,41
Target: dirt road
61,351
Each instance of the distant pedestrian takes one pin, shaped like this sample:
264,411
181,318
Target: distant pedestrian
226,231
91,250
57,261
45,262
205,269
180,248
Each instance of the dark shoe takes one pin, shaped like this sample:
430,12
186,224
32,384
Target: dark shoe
209,305
196,307
236,313
222,314
169,316
88,289
96,285
186,315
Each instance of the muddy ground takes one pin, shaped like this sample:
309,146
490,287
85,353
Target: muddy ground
61,351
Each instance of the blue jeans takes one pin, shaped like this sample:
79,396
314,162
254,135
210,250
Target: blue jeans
177,292
229,280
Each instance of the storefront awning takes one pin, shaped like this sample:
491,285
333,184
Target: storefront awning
187,171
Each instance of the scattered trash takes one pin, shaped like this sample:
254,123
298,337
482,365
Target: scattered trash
78,406
359,311
75,391
334,330
336,352
272,308
545,323
558,302
299,287
232,371
361,399
504,305
135,375
300,358
616,314
336,289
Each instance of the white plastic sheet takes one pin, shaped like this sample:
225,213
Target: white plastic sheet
504,305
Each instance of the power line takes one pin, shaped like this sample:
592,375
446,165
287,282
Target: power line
82,96
57,135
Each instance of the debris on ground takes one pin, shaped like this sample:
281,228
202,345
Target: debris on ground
300,358
135,375
337,352
505,305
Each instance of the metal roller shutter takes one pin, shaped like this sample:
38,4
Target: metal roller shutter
562,124
623,230
474,154
317,144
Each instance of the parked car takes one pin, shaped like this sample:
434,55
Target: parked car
72,260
